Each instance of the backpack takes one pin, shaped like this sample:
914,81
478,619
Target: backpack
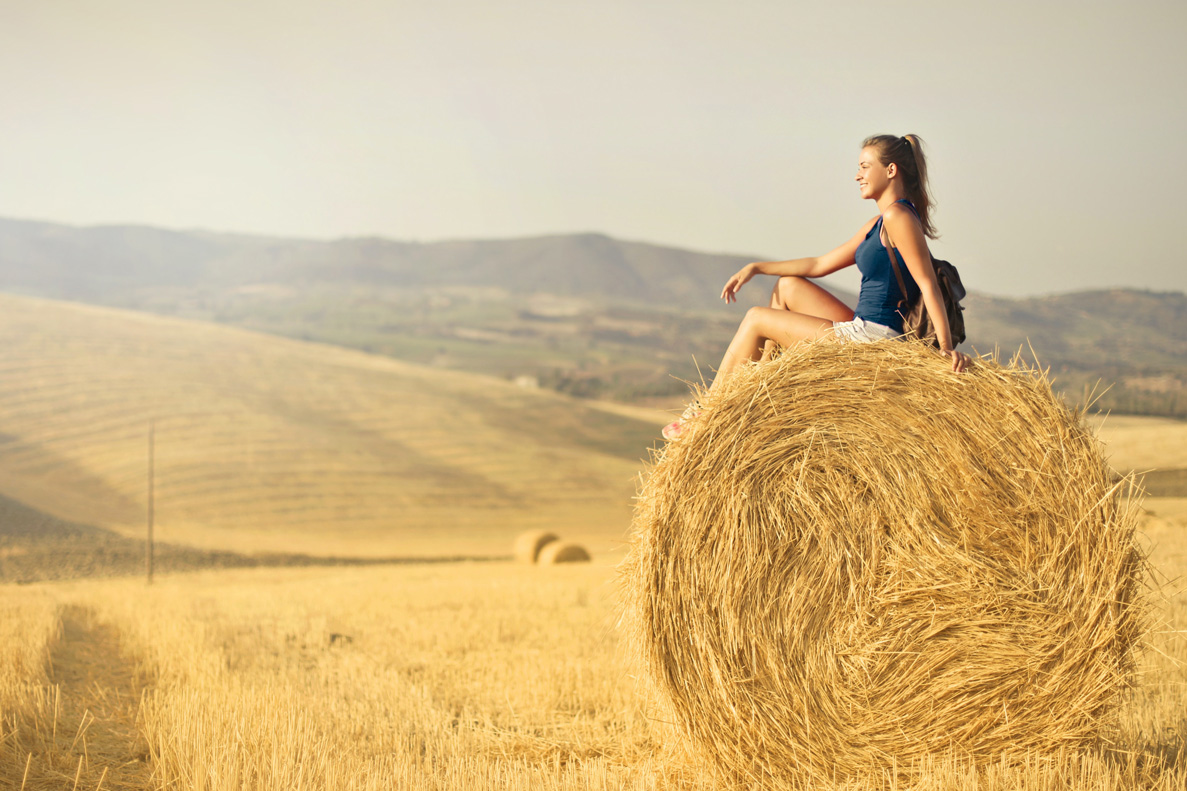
916,322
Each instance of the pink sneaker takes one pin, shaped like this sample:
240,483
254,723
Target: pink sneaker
675,429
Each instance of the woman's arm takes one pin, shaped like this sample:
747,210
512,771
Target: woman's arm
904,230
830,262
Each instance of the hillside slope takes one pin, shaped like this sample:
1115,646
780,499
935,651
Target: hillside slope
1130,347
267,444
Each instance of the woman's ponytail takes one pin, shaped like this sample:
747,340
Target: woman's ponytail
907,153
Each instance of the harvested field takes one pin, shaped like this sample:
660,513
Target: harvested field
444,677
270,445
429,676
35,547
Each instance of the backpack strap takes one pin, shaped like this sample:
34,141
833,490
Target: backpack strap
892,254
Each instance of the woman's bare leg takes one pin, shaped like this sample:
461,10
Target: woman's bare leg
800,310
801,295
784,327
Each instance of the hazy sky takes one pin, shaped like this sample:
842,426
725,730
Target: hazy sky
1056,129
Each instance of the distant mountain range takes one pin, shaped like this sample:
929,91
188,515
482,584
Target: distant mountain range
582,313
115,264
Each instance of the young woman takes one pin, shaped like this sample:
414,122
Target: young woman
892,172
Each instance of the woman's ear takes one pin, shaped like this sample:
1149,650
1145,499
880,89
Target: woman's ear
891,170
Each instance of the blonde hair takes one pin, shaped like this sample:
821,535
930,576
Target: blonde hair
906,153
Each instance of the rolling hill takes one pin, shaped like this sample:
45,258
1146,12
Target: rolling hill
1128,346
583,314
264,444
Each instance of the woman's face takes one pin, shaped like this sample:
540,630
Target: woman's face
872,175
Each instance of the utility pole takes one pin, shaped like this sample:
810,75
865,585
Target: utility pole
148,545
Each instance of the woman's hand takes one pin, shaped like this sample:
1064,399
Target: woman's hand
735,283
960,360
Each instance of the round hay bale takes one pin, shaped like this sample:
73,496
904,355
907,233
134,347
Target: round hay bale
529,544
855,558
563,552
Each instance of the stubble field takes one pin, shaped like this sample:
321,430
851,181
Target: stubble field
452,676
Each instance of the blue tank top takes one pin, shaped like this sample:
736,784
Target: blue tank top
879,297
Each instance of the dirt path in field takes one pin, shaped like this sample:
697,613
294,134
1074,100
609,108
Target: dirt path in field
93,737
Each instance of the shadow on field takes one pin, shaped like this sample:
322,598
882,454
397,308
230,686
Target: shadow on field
37,547
1149,759
1164,483
80,730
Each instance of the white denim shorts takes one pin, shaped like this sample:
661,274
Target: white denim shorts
861,331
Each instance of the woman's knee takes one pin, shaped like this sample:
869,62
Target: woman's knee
786,288
753,320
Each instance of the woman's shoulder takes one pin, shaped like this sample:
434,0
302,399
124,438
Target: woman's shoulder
899,214
900,208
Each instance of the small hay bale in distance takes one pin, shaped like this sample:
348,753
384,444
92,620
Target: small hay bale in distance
529,544
855,558
563,552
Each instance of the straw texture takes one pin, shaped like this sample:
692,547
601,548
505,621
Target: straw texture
855,558
529,544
